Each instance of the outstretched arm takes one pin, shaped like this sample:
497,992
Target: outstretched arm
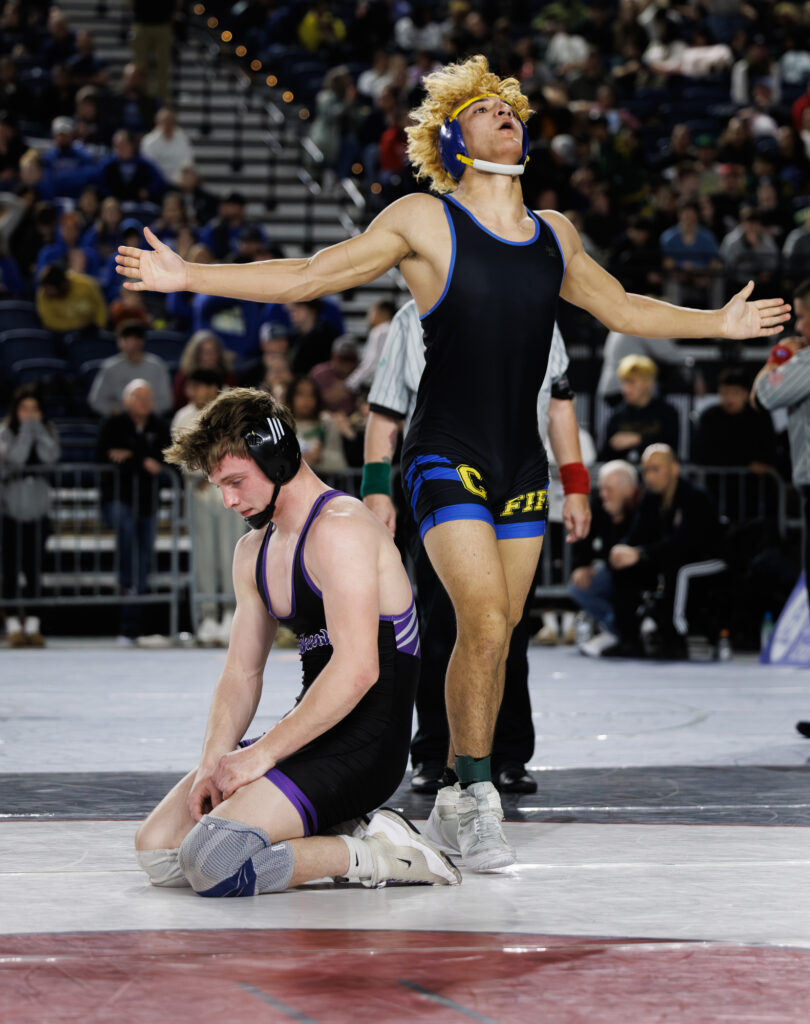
589,286
345,265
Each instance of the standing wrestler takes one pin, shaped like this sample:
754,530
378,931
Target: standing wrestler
251,818
486,274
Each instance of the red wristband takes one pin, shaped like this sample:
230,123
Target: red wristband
779,354
575,478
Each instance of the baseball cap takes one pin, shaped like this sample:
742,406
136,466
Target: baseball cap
62,126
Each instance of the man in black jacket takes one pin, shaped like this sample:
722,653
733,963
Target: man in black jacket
675,524
133,441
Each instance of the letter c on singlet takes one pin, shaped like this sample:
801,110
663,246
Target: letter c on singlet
472,480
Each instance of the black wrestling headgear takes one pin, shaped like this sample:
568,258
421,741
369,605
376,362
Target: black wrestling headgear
274,448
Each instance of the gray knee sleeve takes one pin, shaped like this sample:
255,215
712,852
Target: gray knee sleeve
163,867
220,857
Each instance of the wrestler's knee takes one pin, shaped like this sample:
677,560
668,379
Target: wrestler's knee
485,631
220,857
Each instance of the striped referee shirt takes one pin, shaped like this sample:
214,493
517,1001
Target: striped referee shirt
788,387
396,381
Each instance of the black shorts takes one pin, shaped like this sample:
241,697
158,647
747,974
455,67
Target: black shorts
355,767
443,487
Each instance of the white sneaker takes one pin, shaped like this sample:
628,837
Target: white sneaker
480,836
441,828
401,854
224,629
124,641
153,641
548,635
569,628
594,647
33,637
208,633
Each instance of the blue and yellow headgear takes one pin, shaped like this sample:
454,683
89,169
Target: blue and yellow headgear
453,151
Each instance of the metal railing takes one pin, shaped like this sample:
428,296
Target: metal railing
71,554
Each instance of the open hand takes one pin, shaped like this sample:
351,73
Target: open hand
576,516
744,319
159,269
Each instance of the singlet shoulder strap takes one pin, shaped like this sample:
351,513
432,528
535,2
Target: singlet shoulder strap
315,511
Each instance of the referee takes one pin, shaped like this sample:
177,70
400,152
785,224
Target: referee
391,400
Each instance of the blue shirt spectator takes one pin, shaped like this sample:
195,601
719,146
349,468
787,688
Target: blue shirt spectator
67,166
687,243
129,176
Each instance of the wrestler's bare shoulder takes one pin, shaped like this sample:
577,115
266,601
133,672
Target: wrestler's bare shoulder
413,211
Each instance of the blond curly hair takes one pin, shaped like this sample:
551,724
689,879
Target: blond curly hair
447,89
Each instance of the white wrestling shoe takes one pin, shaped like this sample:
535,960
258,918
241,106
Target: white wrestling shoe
481,840
400,854
441,828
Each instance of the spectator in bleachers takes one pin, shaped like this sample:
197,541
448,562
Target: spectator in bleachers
84,67
312,336
200,205
130,232
132,107
378,318
32,225
92,128
59,44
373,80
618,347
105,233
67,248
753,67
776,216
321,31
736,146
642,419
27,439
88,206
276,375
221,235
674,525
215,529
67,301
172,220
691,257
635,258
796,250
733,433
304,402
131,363
128,306
132,441
67,165
168,146
127,175
330,376
591,582
679,147
749,253
203,351
337,121
416,30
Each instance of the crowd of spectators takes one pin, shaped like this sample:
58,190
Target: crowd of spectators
676,138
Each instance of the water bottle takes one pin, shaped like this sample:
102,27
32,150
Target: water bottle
765,631
724,646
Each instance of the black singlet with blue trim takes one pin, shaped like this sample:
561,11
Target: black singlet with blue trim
487,343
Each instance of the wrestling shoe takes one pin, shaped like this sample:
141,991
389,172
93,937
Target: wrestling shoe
441,828
481,840
402,855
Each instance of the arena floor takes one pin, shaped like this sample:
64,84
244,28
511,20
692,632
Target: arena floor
662,874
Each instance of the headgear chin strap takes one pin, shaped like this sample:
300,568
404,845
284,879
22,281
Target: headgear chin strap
453,149
274,448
